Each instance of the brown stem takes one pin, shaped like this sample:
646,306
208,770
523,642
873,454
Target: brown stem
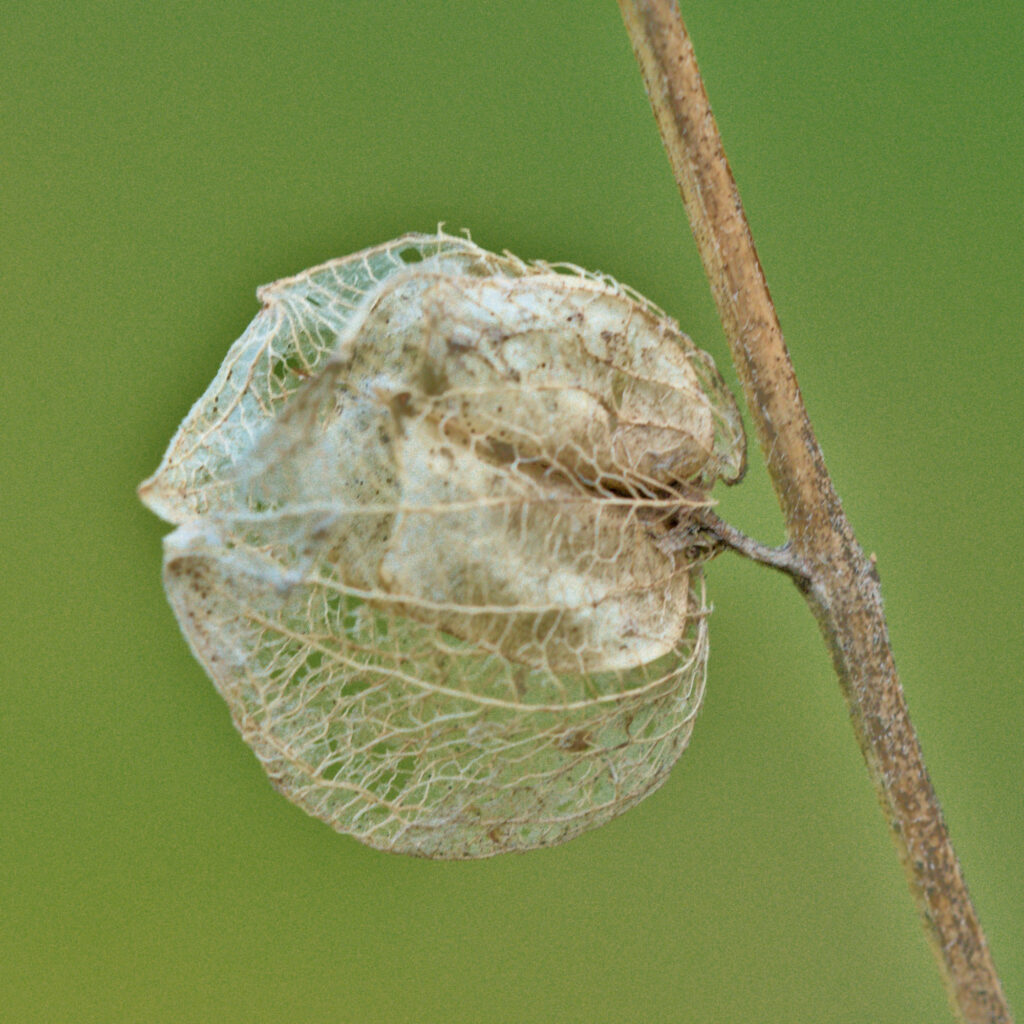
840,583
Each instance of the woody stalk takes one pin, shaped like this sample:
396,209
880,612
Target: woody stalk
821,553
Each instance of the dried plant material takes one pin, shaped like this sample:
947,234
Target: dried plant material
431,548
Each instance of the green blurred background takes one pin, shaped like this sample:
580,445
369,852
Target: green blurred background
162,160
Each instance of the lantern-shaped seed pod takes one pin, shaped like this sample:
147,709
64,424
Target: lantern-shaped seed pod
429,543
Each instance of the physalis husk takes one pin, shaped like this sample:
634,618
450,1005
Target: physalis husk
427,547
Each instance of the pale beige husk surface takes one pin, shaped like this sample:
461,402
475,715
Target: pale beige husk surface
428,548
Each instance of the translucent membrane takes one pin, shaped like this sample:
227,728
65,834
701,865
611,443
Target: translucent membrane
431,543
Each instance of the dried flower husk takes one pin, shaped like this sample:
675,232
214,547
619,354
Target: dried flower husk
428,545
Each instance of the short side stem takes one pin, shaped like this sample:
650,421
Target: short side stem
727,536
839,582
